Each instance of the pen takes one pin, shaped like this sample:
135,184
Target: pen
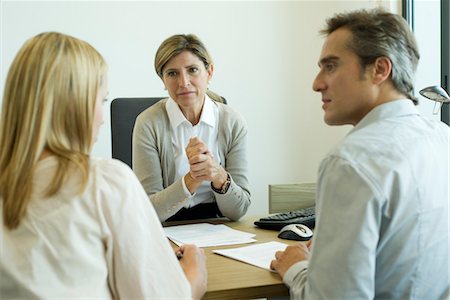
179,255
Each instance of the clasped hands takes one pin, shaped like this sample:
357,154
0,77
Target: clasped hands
202,166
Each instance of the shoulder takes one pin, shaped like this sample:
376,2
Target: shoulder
153,118
362,151
155,112
387,145
110,165
392,137
230,116
112,174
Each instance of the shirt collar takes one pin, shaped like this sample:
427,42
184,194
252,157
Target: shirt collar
176,116
396,108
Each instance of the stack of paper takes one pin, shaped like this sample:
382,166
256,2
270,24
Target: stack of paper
259,255
207,235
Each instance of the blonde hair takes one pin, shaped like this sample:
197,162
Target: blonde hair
48,104
178,43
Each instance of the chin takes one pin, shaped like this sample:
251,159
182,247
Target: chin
332,122
328,120
186,101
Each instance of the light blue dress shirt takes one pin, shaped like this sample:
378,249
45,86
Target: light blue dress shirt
382,212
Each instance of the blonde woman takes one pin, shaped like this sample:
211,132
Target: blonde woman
189,150
73,226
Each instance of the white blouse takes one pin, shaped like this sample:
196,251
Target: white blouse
182,131
104,244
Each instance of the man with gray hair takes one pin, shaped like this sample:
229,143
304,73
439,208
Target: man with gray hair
382,201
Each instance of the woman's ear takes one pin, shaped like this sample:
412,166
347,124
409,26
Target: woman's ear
382,69
210,71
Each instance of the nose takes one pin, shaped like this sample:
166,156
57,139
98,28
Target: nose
318,84
184,80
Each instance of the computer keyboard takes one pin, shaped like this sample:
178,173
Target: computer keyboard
304,216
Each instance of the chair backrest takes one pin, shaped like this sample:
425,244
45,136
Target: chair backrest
123,116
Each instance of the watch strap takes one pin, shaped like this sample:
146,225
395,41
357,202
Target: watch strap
224,187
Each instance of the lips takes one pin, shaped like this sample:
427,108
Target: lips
185,93
325,103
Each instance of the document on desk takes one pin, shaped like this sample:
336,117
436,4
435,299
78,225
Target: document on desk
207,235
259,255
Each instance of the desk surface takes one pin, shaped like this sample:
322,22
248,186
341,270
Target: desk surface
232,279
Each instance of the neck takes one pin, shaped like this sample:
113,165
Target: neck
380,95
193,113
388,93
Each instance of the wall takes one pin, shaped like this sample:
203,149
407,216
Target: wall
265,57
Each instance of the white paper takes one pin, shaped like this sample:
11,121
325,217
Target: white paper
259,255
207,235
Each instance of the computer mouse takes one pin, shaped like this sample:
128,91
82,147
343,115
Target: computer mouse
296,232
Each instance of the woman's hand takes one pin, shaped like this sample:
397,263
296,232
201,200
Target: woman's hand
203,167
193,262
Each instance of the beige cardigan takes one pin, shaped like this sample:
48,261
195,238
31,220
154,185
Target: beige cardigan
153,161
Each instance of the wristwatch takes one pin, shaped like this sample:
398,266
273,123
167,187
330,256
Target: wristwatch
224,187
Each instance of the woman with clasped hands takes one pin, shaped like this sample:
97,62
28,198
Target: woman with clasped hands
189,150
74,226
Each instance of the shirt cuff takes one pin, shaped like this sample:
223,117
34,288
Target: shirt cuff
293,271
185,189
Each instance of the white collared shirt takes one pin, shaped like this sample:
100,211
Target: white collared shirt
182,131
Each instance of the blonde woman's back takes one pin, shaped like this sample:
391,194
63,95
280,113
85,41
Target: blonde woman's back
105,243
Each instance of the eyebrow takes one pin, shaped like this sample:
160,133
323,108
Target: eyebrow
327,59
187,67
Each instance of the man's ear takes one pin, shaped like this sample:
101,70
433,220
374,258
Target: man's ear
382,69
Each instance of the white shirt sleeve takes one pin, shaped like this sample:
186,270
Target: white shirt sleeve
141,262
186,190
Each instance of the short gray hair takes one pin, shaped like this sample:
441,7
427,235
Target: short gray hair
377,33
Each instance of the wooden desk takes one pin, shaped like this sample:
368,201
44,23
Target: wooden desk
232,279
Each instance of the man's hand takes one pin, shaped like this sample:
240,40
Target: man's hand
291,255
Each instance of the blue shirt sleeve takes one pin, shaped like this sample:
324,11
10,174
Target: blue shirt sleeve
342,264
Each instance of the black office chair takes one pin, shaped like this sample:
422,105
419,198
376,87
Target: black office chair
123,116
